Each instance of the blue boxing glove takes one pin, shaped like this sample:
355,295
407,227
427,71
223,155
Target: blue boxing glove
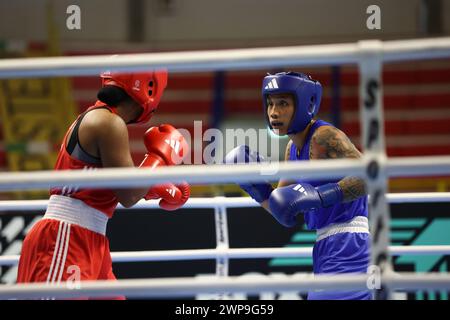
286,202
242,154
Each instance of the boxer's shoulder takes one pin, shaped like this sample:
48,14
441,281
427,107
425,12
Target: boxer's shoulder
329,142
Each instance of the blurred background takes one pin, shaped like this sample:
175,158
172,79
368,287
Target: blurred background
35,113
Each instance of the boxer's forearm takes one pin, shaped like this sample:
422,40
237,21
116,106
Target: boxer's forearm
331,143
352,188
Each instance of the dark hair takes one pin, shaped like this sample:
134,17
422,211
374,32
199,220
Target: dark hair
112,95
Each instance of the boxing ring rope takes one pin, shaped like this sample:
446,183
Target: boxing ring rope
219,173
186,287
227,202
375,167
240,253
237,59
231,253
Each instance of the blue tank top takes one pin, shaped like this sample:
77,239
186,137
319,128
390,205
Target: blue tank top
338,213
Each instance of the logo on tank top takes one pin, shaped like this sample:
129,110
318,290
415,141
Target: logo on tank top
68,190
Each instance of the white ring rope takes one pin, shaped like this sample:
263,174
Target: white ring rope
226,59
238,253
138,177
228,202
241,253
185,287
364,53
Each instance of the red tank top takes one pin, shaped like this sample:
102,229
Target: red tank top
103,200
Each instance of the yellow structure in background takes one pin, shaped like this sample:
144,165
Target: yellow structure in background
432,184
35,114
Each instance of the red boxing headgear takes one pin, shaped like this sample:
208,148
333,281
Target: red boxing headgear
144,88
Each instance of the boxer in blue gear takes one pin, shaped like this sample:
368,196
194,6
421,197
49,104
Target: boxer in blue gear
337,209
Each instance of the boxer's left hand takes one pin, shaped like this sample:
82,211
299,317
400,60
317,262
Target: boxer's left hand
286,202
172,196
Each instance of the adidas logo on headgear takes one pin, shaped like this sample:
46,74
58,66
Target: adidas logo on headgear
272,84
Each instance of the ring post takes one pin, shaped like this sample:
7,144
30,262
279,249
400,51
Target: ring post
373,142
222,240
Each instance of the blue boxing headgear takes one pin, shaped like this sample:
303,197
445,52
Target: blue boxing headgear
307,95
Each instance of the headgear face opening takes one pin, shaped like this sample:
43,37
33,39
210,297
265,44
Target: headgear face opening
144,88
307,95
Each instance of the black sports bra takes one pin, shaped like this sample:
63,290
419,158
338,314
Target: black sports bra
74,147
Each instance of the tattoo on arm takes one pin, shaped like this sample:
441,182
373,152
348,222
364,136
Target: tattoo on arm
352,188
331,143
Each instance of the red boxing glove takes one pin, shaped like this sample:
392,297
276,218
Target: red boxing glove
172,196
166,146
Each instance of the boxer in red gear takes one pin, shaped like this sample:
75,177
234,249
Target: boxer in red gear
69,243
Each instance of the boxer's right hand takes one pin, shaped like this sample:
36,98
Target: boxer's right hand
242,154
165,146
